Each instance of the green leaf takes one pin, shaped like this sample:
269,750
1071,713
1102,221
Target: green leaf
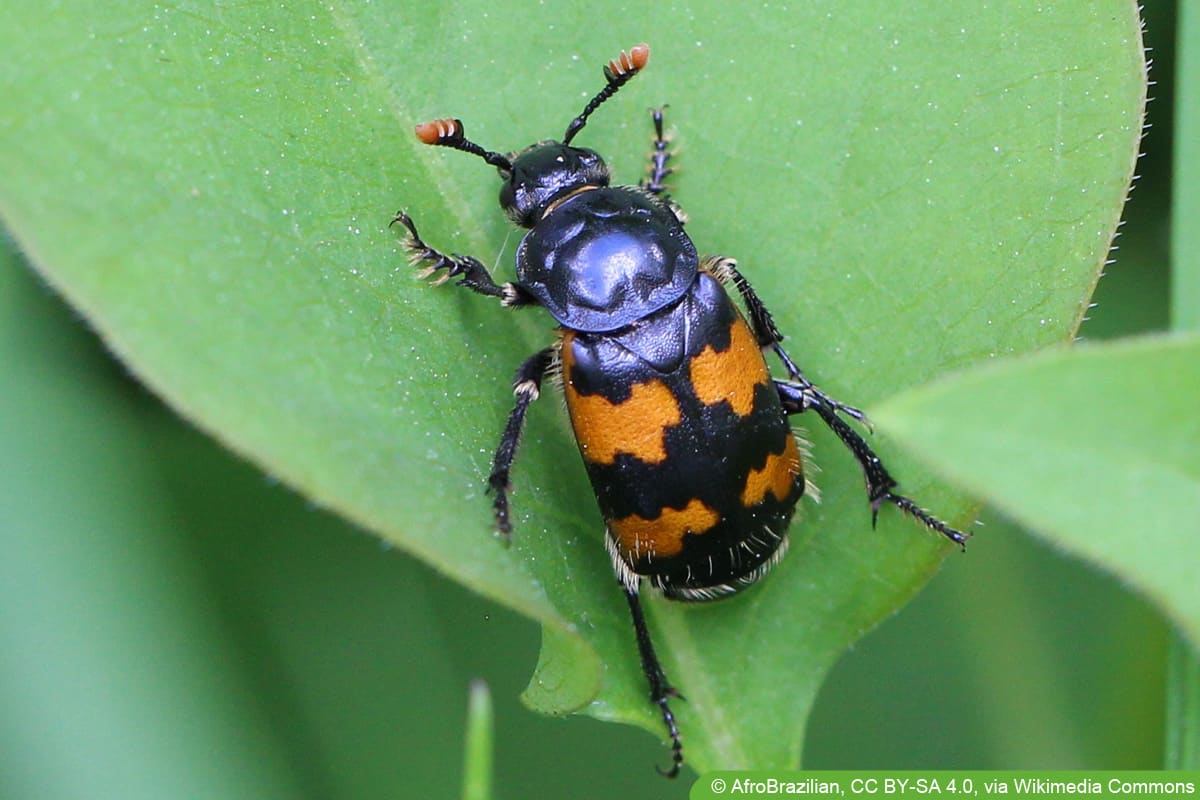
911,191
1097,449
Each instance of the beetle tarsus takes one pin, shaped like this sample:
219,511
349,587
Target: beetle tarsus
933,523
658,172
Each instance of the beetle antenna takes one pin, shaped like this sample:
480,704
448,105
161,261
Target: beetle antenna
449,133
617,72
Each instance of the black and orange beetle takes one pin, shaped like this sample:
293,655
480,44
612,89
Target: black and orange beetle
682,429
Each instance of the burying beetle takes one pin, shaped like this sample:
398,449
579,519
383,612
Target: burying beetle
682,429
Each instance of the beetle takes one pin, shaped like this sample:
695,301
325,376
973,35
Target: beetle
683,431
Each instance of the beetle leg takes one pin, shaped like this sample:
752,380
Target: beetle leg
658,172
526,386
797,398
725,270
474,275
660,689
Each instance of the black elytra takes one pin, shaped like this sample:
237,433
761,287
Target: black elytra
683,432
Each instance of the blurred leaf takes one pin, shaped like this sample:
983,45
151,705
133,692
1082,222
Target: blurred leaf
211,187
1030,655
1097,449
477,773
103,692
1185,237
1183,705
1183,665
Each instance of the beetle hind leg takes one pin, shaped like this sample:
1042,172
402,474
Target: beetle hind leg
661,690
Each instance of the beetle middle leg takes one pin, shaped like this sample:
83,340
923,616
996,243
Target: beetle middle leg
725,270
526,387
797,398
469,270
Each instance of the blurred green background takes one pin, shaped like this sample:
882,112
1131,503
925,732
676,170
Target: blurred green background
174,624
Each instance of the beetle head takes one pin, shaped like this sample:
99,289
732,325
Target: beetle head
544,173
537,176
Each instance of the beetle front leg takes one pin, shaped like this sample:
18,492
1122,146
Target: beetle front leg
797,398
526,387
474,275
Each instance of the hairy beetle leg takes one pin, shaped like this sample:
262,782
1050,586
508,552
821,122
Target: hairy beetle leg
470,272
421,253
